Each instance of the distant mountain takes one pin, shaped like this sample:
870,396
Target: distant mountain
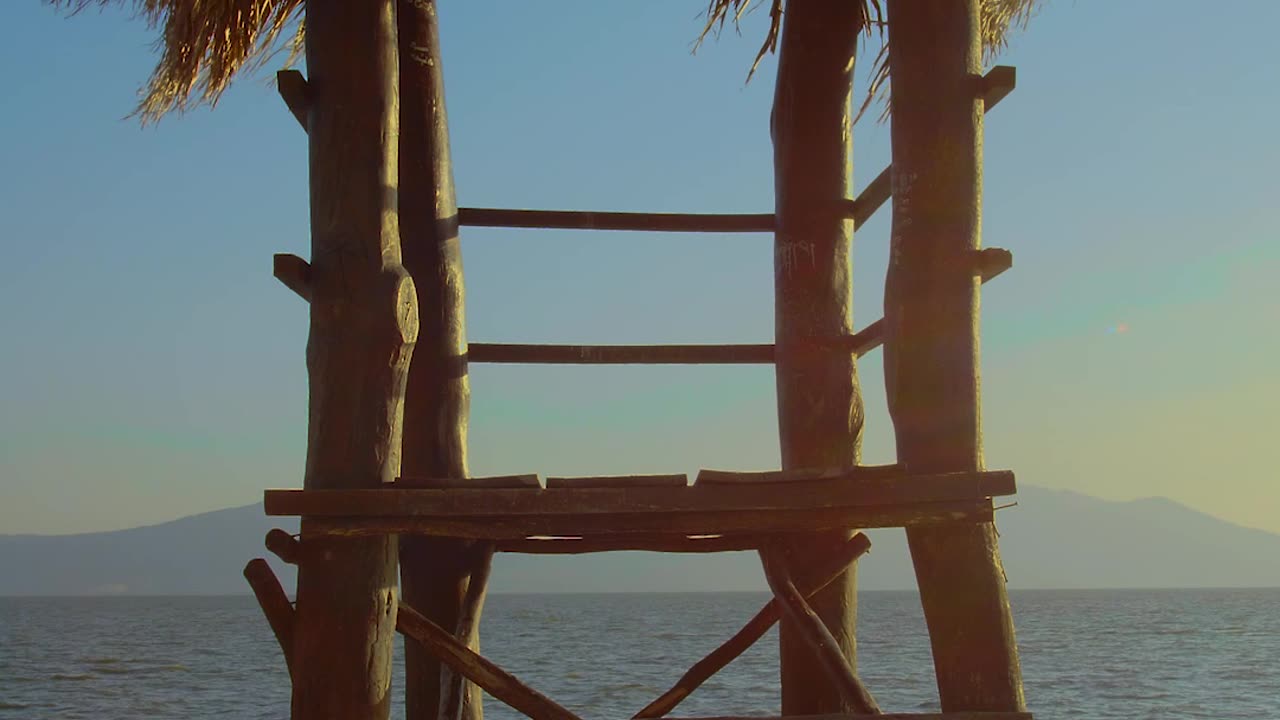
1052,539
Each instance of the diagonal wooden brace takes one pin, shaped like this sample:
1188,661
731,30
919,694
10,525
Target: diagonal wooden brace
818,577
453,690
274,603
816,634
478,669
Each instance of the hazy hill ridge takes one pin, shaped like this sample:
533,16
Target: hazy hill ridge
1052,539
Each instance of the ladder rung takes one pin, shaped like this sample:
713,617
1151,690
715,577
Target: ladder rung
620,354
589,220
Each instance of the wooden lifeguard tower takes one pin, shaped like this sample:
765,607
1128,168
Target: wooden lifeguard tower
386,484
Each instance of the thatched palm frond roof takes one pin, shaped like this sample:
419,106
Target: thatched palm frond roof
203,44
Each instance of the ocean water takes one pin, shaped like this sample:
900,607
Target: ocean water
1086,654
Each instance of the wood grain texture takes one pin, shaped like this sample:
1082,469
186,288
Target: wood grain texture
363,327
931,350
820,410
815,633
475,667
438,396
823,571
996,85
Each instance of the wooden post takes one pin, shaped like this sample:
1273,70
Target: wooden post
931,348
364,323
433,571
820,412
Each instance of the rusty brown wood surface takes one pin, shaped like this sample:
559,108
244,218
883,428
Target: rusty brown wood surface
931,350
437,399
362,331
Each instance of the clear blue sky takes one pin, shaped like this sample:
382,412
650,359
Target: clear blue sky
150,367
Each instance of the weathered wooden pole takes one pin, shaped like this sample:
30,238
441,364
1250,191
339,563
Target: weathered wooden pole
364,322
433,571
931,348
820,412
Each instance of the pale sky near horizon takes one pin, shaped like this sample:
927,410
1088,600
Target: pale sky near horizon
150,366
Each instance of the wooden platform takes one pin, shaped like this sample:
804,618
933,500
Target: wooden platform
723,510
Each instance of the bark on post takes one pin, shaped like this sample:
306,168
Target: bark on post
931,348
364,323
434,571
819,403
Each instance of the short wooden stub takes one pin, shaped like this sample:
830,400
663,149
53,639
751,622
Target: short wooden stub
475,667
815,633
817,577
274,603
292,87
294,272
285,546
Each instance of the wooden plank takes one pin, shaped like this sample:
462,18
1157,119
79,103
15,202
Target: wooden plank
737,522
293,89
503,482
650,542
275,605
618,481
478,669
839,491
453,685
932,351
587,220
433,575
533,354
363,328
800,475
824,570
996,85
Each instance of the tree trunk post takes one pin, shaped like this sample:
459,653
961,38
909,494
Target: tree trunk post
364,323
820,413
931,348
434,572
